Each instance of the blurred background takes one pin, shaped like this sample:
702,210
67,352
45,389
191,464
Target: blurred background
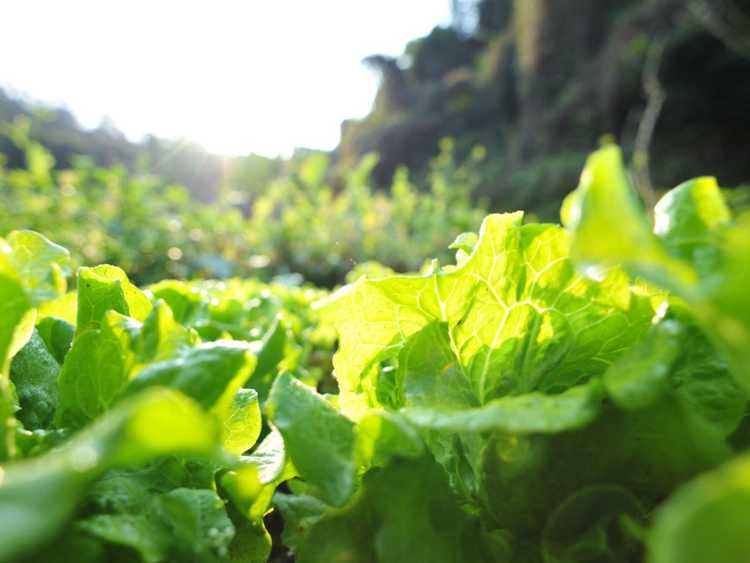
315,141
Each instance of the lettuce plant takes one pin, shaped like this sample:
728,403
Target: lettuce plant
559,394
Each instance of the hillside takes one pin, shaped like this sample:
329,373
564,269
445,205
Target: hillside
538,82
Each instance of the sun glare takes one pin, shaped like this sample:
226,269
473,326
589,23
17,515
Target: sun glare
236,77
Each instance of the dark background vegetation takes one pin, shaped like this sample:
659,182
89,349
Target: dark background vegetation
523,88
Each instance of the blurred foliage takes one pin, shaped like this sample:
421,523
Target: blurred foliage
246,178
298,224
150,228
442,50
305,225
249,309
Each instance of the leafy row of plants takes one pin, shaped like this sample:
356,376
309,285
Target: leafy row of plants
305,225
97,464
300,224
99,215
559,394
580,390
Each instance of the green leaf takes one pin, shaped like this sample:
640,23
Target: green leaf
515,317
95,371
464,246
251,543
609,226
706,520
603,202
406,512
702,381
41,264
687,219
697,252
588,526
639,377
269,457
161,336
137,531
22,333
243,424
465,242
724,311
130,489
300,513
105,288
521,479
675,357
210,373
251,485
383,435
319,441
14,306
270,352
185,301
35,442
64,308
74,545
181,524
199,527
7,421
531,413
34,373
57,335
15,329
39,495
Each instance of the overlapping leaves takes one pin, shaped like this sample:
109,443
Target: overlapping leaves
126,417
515,318
697,251
543,364
537,401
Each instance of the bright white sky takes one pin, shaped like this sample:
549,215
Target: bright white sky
237,76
